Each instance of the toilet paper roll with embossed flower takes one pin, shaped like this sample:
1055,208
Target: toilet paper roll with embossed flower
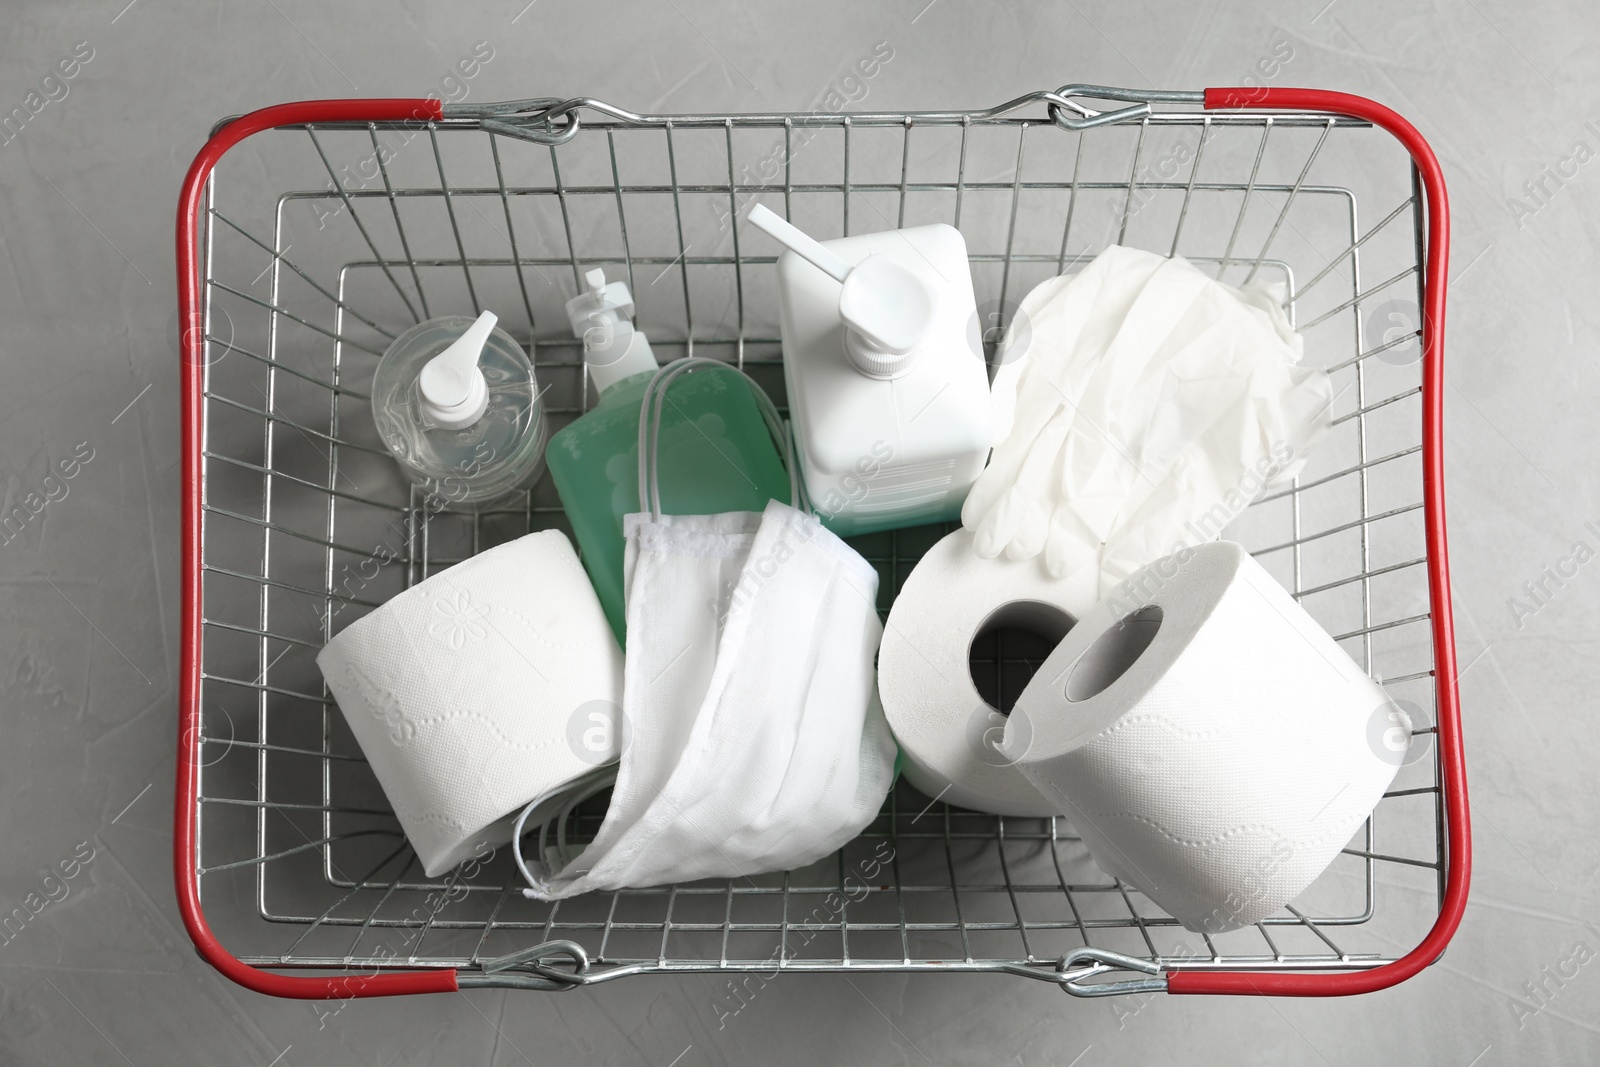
463,690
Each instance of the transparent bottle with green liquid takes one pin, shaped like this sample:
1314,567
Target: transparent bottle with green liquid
717,449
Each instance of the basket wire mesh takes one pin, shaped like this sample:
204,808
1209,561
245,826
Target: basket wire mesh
330,239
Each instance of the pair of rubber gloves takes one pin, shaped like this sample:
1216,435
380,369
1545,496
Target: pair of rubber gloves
1140,406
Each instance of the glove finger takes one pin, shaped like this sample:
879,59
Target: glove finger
1069,545
1033,522
996,528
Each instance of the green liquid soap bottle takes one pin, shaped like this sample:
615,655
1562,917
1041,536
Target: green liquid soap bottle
716,452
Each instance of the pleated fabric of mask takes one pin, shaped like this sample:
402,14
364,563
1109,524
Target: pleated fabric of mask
753,738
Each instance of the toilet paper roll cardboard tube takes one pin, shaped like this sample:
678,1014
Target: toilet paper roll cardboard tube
948,732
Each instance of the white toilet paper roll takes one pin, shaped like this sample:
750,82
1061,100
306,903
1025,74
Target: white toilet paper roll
478,689
949,736
1212,744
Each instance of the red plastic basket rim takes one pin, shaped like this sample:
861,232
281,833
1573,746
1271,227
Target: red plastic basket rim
1452,760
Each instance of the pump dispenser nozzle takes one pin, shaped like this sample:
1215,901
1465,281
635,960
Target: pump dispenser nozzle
451,387
603,317
885,305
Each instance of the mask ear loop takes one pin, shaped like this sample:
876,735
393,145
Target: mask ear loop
645,446
799,499
650,429
576,792
783,437
663,381
578,795
650,432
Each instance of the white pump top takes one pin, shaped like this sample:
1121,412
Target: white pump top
603,317
885,305
451,387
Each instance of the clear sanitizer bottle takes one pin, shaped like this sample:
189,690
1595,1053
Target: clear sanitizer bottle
888,398
716,451
457,405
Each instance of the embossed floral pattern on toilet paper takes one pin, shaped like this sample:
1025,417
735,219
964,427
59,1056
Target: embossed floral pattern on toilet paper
535,633
1127,722
458,620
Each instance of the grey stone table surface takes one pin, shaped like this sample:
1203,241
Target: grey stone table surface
88,599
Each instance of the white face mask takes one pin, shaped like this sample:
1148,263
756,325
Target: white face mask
753,736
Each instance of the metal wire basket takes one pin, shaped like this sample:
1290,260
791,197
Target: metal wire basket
346,221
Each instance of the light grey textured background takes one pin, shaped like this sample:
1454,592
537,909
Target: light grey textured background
88,660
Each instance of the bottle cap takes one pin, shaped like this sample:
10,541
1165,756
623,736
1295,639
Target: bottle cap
885,305
451,387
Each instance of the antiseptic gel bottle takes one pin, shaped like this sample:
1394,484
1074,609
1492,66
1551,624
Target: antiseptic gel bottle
457,405
716,452
888,395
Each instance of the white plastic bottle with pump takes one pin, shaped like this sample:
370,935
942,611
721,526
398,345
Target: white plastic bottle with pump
888,400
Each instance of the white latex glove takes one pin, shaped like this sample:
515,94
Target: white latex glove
1039,398
1148,394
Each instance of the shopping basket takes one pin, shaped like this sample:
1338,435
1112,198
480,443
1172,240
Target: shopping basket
339,223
